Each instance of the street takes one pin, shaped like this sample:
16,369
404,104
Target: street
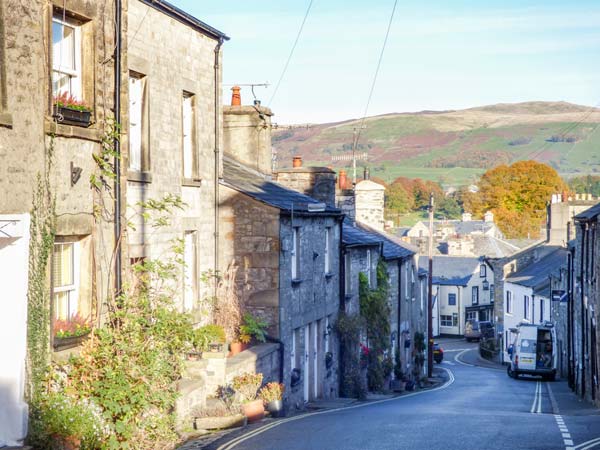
476,408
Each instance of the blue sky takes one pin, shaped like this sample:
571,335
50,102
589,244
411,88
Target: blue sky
445,54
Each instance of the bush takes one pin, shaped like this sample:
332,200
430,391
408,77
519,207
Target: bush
253,327
204,336
271,392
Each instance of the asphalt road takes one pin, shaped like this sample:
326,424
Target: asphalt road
478,408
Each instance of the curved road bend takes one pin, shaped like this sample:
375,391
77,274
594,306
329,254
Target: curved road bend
480,408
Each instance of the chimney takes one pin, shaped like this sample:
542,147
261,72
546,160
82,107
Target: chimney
369,200
488,216
297,162
343,179
366,174
236,98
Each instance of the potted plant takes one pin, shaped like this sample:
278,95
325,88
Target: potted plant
253,328
272,396
69,333
398,383
207,338
70,111
70,424
246,386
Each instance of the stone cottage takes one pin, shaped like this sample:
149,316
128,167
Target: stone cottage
287,248
172,139
48,52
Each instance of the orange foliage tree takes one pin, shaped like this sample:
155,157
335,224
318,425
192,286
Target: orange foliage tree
517,194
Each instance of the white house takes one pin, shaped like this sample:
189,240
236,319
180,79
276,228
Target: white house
527,296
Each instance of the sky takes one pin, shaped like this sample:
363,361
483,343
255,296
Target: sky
444,54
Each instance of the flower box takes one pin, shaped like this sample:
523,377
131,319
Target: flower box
69,116
64,343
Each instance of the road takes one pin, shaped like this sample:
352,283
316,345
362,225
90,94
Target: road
477,408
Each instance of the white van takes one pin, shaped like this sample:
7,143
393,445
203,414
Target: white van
533,351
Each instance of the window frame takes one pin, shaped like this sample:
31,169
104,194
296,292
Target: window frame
369,263
509,302
446,320
327,253
451,295
475,295
144,149
542,304
75,256
191,271
482,271
193,174
67,21
348,274
295,253
526,307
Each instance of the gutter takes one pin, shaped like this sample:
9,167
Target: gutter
217,161
117,149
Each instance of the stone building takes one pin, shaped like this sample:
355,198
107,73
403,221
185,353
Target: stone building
584,307
172,139
287,248
47,52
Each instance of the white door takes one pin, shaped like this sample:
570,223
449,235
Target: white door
315,364
306,362
14,255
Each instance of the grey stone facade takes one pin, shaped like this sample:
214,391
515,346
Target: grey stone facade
316,182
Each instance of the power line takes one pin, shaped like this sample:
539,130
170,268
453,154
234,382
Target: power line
287,63
387,34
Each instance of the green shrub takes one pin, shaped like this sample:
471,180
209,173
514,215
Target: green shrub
253,327
204,336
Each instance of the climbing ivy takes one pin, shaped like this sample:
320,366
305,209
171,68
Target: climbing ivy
376,312
42,231
349,328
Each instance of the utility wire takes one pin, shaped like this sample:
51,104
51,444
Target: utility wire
287,63
387,34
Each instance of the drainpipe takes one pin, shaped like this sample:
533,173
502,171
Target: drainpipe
117,148
217,156
570,318
582,327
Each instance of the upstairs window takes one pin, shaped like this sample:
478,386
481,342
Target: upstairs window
64,280
475,295
66,56
138,158
190,157
295,253
348,274
327,250
526,307
508,302
452,299
492,293
482,271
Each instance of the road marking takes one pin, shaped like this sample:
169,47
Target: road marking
536,406
234,442
587,445
457,358
448,362
566,435
458,350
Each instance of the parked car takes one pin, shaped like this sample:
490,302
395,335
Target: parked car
472,330
533,351
438,353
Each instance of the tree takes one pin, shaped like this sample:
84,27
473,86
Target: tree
517,194
587,184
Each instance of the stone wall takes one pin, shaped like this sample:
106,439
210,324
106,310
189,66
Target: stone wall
369,198
247,136
173,58
316,182
250,240
309,306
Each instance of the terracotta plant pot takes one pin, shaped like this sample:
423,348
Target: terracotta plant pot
237,347
67,442
253,410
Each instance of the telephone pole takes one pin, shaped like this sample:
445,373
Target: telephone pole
430,293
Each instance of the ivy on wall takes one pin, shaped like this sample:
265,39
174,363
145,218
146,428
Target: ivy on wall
42,231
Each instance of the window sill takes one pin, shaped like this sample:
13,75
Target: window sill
6,120
329,275
296,281
141,177
70,131
348,296
191,182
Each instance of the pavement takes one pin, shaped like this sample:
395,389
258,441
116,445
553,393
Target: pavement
475,406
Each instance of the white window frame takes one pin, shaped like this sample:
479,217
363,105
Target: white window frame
75,76
509,302
369,262
526,307
295,253
482,271
475,295
446,320
188,119
136,121
190,269
72,289
327,266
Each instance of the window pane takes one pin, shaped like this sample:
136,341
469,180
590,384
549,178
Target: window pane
188,151
61,305
62,265
63,47
135,123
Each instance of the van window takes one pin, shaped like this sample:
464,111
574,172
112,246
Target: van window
527,345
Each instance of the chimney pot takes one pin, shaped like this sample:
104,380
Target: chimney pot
297,161
343,179
236,98
366,174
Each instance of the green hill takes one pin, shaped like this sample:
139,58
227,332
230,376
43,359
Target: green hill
455,147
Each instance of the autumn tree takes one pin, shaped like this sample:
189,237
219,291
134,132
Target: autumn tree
517,194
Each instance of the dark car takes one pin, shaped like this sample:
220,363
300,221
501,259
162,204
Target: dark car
438,353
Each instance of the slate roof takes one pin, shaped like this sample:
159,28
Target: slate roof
461,227
589,214
536,274
393,248
451,270
274,194
493,247
353,236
